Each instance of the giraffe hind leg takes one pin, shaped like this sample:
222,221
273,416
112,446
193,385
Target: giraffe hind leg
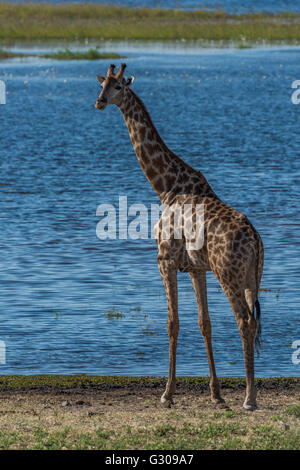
242,300
247,327
199,284
251,293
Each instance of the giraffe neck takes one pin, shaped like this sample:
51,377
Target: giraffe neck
165,171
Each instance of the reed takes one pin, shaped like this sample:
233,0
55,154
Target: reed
94,21
66,54
91,54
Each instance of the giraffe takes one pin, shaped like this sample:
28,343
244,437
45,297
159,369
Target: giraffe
232,248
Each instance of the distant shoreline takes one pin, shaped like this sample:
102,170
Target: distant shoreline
78,22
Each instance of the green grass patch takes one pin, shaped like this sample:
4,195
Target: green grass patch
82,380
66,54
91,54
81,21
127,415
211,435
9,55
294,411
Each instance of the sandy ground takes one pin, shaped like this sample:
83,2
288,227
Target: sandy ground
133,398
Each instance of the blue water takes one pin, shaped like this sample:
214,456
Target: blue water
227,112
232,6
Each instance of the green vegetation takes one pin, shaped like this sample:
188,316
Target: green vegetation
68,381
294,411
9,55
91,54
148,330
81,21
113,313
164,430
211,435
112,412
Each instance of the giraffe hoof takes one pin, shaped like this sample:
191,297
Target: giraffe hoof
249,406
166,402
217,400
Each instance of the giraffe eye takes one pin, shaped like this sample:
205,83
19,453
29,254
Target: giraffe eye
118,87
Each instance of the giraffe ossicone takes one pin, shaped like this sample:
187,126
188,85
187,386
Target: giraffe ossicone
232,248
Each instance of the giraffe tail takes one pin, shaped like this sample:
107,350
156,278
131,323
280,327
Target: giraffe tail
258,274
257,341
251,295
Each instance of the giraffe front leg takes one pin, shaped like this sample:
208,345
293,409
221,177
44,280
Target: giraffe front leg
169,276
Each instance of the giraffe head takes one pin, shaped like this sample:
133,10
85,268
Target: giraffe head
113,86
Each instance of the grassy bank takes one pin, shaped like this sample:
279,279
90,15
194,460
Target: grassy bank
92,412
91,54
75,21
14,382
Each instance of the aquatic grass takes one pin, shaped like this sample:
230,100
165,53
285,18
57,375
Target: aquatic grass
112,313
243,45
4,54
81,21
149,330
91,54
66,54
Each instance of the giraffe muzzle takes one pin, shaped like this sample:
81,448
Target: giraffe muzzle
100,104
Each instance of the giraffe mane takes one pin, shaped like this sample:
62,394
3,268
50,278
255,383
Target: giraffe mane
162,143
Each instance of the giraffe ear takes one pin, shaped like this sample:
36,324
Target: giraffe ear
100,78
128,81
